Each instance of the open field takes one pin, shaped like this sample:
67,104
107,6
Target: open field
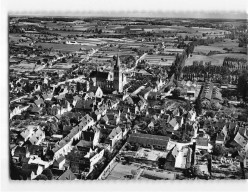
230,44
65,47
215,59
26,67
206,49
219,46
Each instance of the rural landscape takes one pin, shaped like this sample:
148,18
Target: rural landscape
127,98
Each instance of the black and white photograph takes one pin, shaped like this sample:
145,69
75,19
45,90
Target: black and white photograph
132,96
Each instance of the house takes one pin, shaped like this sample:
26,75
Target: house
170,159
202,143
37,150
151,125
96,92
59,163
32,170
20,152
67,175
183,158
243,131
30,131
96,159
147,140
240,140
175,125
145,92
191,115
39,102
37,160
112,117
114,136
220,139
165,117
37,137
180,120
18,110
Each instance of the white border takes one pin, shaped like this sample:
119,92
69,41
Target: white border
162,8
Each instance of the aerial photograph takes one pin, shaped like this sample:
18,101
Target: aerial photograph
127,98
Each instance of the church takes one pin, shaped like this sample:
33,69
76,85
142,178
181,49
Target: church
110,81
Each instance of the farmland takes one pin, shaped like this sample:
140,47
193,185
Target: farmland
63,47
229,44
215,59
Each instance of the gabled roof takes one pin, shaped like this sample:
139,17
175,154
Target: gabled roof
114,132
148,139
85,144
60,159
67,175
173,122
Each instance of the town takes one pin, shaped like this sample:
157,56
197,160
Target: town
101,98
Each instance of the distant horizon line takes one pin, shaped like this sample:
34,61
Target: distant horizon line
231,15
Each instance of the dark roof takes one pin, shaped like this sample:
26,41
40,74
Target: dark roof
30,167
20,151
34,149
148,139
85,144
99,75
88,135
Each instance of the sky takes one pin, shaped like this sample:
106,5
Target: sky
236,9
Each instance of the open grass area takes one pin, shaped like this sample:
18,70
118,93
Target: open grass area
65,47
206,49
216,59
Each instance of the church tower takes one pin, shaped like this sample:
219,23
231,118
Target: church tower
118,76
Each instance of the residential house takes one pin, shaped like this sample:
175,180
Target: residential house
147,140
20,152
174,123
202,143
67,175
96,92
32,170
59,163
115,135
18,110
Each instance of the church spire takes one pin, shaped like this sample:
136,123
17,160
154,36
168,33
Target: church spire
118,62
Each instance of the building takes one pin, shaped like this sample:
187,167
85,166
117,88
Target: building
110,81
147,140
210,92
118,76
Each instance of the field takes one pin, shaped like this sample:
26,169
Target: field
215,59
228,43
64,47
26,67
202,49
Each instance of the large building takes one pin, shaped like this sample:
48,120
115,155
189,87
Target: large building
110,81
210,92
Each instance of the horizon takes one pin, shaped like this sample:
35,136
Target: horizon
151,14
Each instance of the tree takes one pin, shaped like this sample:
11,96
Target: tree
218,150
41,177
176,93
48,173
78,87
161,162
243,84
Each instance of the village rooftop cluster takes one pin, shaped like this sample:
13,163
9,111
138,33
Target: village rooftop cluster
127,98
